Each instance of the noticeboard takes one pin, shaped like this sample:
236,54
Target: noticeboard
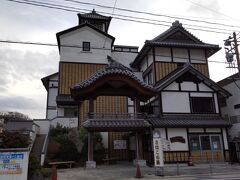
11,163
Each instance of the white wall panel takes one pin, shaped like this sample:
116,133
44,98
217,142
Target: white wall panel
175,102
163,54
177,146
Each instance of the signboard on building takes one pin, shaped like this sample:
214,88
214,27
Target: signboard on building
11,163
166,144
120,144
158,151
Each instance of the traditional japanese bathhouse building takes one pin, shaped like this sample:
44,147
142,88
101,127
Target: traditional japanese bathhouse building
127,94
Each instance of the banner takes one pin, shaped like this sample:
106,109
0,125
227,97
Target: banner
158,152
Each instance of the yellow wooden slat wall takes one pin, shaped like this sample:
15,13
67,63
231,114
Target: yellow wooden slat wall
203,68
164,68
72,73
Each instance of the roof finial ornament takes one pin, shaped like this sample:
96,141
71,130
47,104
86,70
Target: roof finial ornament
176,23
93,11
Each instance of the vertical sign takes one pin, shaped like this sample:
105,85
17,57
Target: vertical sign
158,150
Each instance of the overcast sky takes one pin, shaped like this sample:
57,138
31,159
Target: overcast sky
22,66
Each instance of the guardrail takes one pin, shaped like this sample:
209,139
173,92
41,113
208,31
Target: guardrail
115,116
44,150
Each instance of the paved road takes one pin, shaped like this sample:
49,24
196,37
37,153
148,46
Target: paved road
127,171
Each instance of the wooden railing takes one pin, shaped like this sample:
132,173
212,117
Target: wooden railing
115,116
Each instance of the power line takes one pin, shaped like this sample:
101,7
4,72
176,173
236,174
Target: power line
148,13
60,7
76,46
205,7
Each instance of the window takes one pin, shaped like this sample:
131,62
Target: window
86,46
148,78
202,104
194,143
70,112
205,142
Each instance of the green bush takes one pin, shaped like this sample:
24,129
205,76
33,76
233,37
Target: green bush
33,165
14,140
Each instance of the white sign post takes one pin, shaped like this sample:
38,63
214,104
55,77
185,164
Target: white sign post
158,154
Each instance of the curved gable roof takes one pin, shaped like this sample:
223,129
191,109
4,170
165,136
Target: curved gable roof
118,76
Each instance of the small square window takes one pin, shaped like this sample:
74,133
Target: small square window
86,46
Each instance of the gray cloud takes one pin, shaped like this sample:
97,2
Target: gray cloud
211,8
16,103
17,65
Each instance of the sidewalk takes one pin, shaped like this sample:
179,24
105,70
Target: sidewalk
171,171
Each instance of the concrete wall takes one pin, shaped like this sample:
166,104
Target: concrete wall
44,125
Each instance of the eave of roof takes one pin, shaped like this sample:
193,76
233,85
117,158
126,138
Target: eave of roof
81,26
189,68
228,80
116,125
159,42
45,80
183,121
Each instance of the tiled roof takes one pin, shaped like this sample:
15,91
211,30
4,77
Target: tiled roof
94,15
113,68
116,125
180,44
174,28
188,121
66,100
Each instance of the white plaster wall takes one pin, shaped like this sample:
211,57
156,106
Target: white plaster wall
53,92
51,114
143,65
23,163
150,59
163,54
232,100
216,102
180,55
172,132
218,130
234,131
124,58
203,87
193,130
172,86
66,122
138,75
175,102
161,131
197,56
44,125
60,111
193,94
104,139
75,38
188,86
225,141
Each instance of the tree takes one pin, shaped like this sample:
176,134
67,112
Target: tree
14,116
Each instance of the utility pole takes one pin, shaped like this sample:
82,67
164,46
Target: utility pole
232,43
